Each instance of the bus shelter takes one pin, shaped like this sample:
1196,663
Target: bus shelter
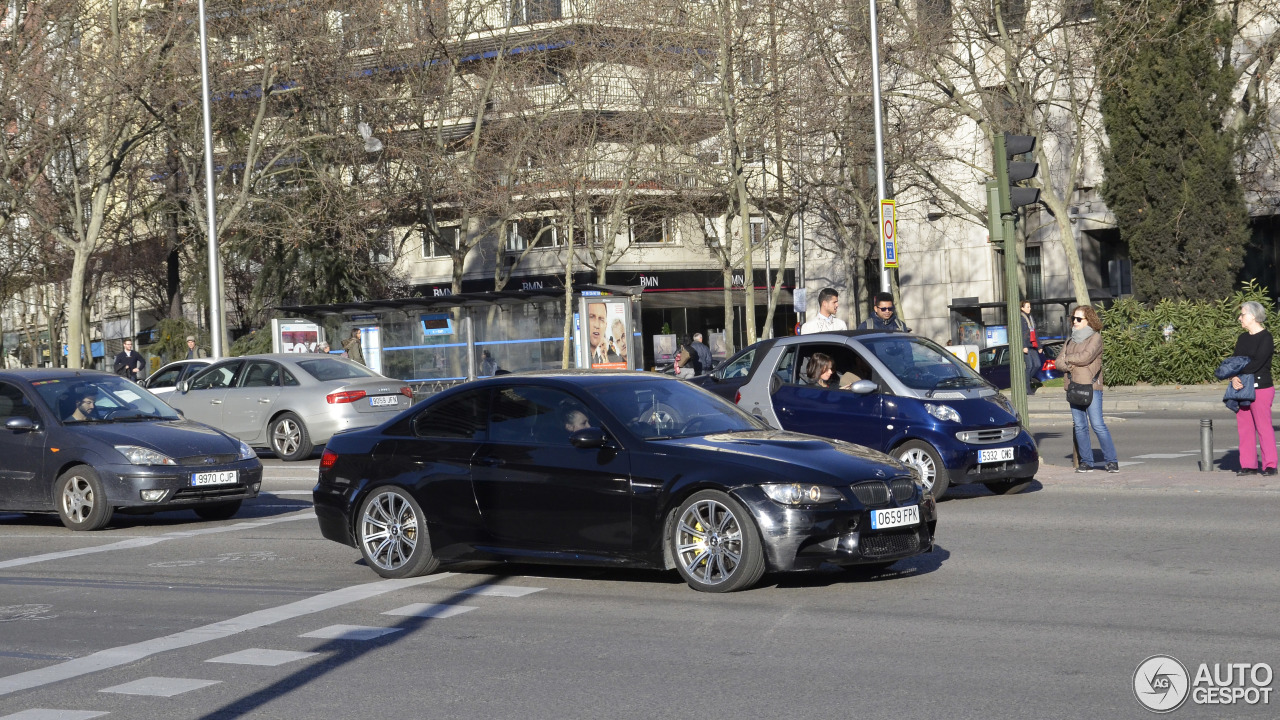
439,341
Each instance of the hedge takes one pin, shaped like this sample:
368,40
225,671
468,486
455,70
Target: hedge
1204,333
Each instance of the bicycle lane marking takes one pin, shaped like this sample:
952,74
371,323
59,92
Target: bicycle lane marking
147,541
125,654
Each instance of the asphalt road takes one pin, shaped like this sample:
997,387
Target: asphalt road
1035,605
1163,440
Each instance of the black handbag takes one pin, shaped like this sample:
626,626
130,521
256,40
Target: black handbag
1080,394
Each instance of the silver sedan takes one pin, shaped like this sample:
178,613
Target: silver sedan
289,402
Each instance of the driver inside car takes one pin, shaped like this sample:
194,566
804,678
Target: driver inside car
84,404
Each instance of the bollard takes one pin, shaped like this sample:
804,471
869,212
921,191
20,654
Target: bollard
1206,445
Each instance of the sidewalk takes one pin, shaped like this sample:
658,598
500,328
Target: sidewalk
1134,478
1185,398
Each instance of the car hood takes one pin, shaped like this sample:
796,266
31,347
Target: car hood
783,452
175,438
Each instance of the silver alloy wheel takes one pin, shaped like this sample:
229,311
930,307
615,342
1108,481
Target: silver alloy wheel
709,542
923,460
78,499
286,436
389,530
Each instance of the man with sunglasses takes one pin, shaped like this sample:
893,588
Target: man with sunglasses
883,316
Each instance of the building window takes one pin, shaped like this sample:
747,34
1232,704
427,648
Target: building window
751,73
650,229
1035,280
1078,10
1013,13
432,248
382,248
934,14
758,229
527,12
540,232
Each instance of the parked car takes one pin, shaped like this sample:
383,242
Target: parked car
166,379
615,469
289,402
993,364
85,444
898,393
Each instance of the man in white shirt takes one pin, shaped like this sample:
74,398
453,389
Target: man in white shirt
826,320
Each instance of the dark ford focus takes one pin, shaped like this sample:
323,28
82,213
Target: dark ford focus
86,443
619,469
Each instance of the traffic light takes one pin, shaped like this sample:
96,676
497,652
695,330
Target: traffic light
1009,171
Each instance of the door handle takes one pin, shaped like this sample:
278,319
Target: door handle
215,402
784,411
264,401
489,462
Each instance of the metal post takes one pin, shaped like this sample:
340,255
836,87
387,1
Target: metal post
469,328
215,270
1206,445
801,311
1013,311
875,97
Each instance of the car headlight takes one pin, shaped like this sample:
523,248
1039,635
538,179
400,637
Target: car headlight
943,412
144,456
246,452
798,494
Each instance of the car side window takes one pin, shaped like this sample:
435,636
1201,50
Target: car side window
260,373
847,366
461,417
537,415
786,366
218,376
13,403
165,378
740,366
289,379
987,358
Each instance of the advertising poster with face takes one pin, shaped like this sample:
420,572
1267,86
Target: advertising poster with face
608,334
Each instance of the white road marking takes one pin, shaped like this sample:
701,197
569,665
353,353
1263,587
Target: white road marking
510,591
125,654
146,541
47,714
1124,463
261,656
350,632
426,610
122,545
160,686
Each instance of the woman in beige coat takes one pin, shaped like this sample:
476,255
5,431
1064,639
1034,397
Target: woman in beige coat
1081,361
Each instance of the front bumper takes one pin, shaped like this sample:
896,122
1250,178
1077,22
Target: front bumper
805,538
124,484
961,460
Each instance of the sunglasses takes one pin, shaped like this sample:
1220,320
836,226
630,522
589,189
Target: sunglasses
888,308
1076,319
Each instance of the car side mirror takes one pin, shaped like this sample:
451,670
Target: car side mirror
19,424
588,438
863,387
184,386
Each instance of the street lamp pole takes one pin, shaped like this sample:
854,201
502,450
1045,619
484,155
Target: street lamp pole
875,95
215,274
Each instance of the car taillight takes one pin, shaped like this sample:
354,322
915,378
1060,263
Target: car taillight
737,397
344,397
328,459
407,392
1048,365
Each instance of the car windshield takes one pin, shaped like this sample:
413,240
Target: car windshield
921,364
326,369
101,399
666,409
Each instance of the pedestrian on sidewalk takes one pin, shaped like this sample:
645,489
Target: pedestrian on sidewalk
1030,347
1081,360
1253,423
